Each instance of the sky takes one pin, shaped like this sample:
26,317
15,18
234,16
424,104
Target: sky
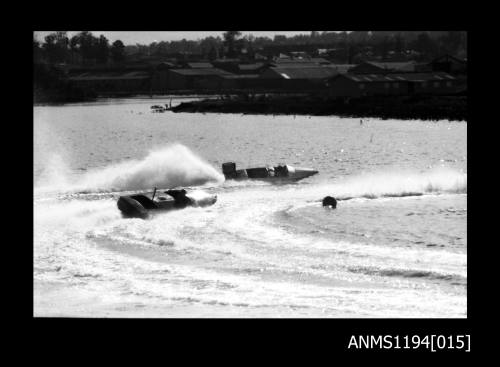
147,37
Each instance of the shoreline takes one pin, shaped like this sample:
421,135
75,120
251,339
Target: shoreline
49,101
453,108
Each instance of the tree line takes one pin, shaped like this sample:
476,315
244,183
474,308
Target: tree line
83,48
86,49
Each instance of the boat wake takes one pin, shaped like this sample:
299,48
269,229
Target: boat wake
397,184
169,167
272,243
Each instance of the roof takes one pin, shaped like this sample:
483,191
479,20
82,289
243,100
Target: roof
200,65
241,76
403,77
343,68
251,66
259,56
134,75
305,72
283,56
166,64
311,60
200,72
398,66
447,58
319,60
227,60
314,61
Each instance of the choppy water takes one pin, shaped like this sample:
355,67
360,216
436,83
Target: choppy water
396,246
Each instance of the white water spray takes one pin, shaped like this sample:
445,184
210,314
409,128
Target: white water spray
172,166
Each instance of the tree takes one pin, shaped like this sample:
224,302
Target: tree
426,46
118,51
102,50
250,51
359,36
84,44
230,42
213,53
399,43
385,47
37,51
90,48
452,42
56,47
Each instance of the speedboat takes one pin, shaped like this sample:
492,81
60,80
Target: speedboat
276,173
141,206
159,109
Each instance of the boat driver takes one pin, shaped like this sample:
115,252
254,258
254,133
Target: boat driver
180,198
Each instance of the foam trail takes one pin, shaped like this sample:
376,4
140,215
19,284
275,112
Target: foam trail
438,180
394,184
172,166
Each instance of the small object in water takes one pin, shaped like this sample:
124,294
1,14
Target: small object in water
330,201
361,122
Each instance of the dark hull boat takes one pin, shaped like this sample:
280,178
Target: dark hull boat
274,174
141,206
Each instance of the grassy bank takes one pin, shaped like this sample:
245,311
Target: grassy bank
402,107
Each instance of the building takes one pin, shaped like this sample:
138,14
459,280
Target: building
251,69
305,77
449,64
275,49
372,67
313,61
113,82
229,65
241,82
343,68
166,65
198,65
299,55
320,61
260,57
360,85
300,72
190,79
159,80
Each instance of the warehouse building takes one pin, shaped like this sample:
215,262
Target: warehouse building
356,85
372,67
124,82
191,79
297,78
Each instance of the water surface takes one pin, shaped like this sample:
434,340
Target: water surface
396,246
